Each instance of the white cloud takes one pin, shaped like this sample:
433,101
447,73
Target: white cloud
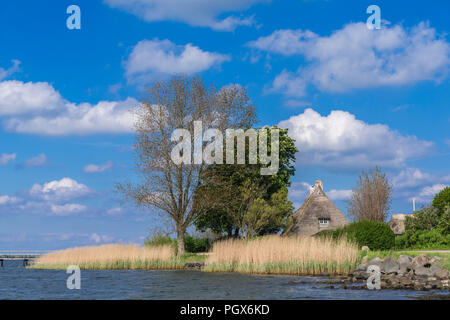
289,83
94,168
413,183
66,209
300,190
60,190
339,194
6,158
38,161
4,73
19,98
154,58
427,194
355,57
114,211
339,140
411,177
37,108
96,238
7,200
203,13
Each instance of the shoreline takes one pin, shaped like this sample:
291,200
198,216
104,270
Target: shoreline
420,273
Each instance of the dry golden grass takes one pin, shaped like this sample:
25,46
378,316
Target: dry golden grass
111,256
284,255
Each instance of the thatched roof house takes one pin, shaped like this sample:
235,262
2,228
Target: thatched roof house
397,223
316,214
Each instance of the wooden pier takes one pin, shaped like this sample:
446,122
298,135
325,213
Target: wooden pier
25,256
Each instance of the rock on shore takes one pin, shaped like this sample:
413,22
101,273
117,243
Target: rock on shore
418,273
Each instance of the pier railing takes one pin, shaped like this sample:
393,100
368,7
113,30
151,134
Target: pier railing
24,255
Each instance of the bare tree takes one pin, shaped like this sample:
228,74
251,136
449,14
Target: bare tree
176,104
371,198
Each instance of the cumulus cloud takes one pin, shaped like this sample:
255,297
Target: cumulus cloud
339,194
7,200
300,190
289,83
38,161
96,238
19,98
355,57
94,168
412,177
155,58
66,209
339,140
65,189
427,194
5,73
412,183
6,158
203,13
37,108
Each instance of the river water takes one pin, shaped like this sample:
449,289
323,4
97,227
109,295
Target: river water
17,282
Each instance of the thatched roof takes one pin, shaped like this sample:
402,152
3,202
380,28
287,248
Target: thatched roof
397,223
317,207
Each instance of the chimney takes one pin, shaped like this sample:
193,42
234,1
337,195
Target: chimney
319,184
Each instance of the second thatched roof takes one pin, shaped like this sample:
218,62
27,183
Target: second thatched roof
316,214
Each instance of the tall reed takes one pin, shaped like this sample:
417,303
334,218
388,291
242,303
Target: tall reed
112,256
284,255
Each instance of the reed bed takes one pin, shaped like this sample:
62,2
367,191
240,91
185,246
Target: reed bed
284,255
112,256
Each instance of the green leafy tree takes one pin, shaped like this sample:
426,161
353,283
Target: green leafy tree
423,219
264,215
442,200
428,227
241,195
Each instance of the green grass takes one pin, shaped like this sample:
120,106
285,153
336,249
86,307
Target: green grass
172,264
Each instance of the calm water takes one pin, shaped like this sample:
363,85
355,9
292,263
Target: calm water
17,282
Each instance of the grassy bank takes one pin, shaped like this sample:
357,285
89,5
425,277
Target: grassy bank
113,256
283,255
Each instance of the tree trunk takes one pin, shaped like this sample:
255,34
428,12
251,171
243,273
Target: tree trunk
180,241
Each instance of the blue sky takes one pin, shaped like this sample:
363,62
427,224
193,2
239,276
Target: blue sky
353,98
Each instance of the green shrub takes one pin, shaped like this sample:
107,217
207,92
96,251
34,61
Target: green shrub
374,234
159,239
444,221
195,245
423,219
423,239
191,244
401,242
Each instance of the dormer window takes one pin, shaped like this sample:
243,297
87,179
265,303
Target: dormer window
324,222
